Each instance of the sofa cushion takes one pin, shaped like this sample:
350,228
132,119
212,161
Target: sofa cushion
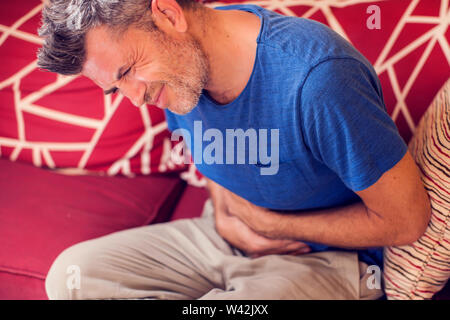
191,203
43,212
419,270
67,122
15,286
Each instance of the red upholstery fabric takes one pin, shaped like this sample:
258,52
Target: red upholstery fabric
16,286
191,203
43,212
67,122
44,123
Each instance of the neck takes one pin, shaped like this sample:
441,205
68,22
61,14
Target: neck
228,39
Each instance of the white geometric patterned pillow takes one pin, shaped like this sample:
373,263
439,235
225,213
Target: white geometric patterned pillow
420,270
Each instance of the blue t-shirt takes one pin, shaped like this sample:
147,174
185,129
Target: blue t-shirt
324,98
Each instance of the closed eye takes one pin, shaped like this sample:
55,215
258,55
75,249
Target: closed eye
125,73
120,75
109,91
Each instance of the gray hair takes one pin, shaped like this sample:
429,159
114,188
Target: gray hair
66,22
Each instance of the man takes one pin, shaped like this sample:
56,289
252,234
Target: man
344,184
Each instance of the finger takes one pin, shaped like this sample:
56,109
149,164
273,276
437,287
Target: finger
301,246
241,236
299,251
265,245
281,247
285,246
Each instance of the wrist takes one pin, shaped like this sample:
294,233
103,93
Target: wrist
270,224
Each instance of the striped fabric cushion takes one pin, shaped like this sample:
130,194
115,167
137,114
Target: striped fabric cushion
419,270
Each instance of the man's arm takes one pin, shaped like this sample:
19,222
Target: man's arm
395,210
239,235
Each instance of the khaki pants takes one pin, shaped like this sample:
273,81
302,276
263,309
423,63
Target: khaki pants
187,259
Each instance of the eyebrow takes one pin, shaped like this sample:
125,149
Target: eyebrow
119,76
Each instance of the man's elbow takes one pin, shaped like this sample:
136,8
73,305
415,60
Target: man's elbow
414,224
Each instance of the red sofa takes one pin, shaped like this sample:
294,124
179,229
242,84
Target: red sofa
48,123
43,212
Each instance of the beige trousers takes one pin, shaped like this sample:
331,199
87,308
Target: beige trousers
187,259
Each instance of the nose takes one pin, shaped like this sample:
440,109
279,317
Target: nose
135,91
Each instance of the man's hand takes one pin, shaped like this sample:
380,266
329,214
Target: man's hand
394,211
240,235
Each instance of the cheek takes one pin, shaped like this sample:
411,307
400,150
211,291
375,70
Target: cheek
153,77
146,76
171,95
151,72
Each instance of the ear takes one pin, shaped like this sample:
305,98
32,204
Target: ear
169,15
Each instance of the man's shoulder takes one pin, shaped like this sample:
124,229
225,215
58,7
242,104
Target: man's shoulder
304,40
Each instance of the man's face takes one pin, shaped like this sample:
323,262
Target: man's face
147,67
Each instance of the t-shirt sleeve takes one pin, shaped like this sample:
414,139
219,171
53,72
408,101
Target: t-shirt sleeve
345,123
171,119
